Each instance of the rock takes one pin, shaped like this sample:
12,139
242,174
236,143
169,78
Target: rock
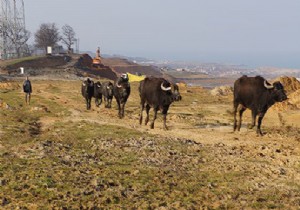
222,91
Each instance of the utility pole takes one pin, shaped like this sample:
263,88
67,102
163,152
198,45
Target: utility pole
12,17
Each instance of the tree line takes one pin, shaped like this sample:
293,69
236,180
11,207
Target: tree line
48,34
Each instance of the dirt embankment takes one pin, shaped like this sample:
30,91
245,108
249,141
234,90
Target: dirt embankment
292,88
65,66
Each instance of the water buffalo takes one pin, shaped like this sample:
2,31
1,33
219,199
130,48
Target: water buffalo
108,94
157,93
98,93
87,91
256,94
121,93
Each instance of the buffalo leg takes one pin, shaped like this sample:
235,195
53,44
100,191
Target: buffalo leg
96,102
164,112
147,114
253,119
235,106
109,103
89,102
165,123
105,102
241,111
119,109
122,109
260,117
154,118
141,114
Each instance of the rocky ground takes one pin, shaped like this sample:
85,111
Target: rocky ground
54,154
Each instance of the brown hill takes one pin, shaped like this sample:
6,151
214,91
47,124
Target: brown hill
292,87
290,84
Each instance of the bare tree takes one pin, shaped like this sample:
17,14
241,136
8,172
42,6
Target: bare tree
68,37
18,36
47,35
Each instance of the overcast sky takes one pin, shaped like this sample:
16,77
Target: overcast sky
251,32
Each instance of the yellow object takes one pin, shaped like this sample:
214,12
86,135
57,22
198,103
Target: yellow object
135,78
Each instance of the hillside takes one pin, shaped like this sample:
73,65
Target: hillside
77,65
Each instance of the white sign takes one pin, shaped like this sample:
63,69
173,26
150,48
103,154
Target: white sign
49,50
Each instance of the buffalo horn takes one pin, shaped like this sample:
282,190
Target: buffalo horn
268,86
119,86
165,88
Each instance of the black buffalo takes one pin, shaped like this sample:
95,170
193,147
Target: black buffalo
256,94
87,91
98,93
108,93
157,93
121,93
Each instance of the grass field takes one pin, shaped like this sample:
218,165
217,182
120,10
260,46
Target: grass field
54,154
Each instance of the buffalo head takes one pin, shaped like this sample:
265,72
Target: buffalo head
277,91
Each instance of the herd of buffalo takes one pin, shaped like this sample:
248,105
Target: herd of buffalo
254,93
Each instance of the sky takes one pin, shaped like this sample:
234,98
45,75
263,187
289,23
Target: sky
249,32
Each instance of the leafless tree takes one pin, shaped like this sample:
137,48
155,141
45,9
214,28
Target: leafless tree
47,35
68,37
18,37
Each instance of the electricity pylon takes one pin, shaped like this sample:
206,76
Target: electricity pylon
12,21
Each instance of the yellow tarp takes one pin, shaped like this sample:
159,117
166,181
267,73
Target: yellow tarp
135,78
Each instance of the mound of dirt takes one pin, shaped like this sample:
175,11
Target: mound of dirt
222,91
294,98
85,64
85,61
292,87
290,84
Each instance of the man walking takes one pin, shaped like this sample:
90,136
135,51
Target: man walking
27,90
